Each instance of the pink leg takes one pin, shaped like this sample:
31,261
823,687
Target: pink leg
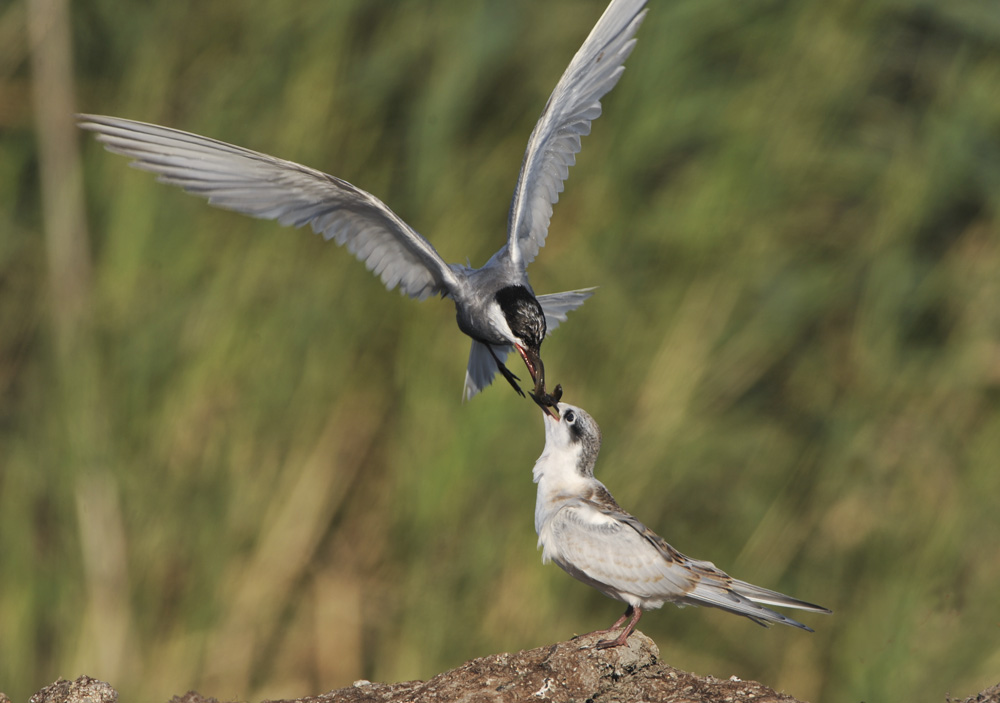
618,622
619,641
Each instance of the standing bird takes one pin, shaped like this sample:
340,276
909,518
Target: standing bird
495,304
583,530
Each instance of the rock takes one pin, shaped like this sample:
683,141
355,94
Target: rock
83,690
563,672
192,697
990,695
558,673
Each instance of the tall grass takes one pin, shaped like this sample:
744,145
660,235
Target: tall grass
790,210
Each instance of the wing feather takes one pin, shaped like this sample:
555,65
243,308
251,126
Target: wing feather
612,556
557,305
555,141
263,186
618,554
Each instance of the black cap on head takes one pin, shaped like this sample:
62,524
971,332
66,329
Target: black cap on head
524,315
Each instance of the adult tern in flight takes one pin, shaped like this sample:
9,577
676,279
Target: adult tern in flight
583,530
495,305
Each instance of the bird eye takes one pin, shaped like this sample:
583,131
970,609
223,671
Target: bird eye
569,416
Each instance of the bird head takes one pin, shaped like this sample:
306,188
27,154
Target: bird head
526,320
572,442
573,431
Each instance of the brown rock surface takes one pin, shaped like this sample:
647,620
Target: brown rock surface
567,671
562,672
83,690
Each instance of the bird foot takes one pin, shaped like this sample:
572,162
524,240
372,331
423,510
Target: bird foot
619,641
511,378
622,639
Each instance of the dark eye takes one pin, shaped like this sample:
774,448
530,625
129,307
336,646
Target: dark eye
569,416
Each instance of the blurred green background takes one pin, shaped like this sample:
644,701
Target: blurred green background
230,461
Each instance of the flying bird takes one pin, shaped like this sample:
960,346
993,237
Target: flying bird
583,530
495,305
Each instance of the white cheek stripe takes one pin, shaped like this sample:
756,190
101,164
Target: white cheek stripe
495,316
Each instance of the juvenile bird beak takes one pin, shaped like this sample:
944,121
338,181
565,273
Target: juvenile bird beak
550,410
549,403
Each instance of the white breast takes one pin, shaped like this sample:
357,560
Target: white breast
558,482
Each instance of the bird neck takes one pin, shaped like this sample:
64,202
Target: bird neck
559,473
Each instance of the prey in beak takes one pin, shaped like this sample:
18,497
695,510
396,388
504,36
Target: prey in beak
536,368
545,400
549,402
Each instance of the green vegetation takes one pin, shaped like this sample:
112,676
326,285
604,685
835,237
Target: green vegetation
248,470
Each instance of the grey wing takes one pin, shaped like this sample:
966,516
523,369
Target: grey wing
557,305
482,368
769,597
710,586
555,141
263,186
610,555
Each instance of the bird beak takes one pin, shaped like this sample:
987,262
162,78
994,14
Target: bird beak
549,402
550,410
546,401
535,367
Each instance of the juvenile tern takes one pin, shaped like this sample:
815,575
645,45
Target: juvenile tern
582,529
495,305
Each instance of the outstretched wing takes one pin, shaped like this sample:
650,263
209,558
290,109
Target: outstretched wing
263,186
557,305
555,141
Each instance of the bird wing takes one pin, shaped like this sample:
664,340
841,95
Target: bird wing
611,555
555,141
263,186
482,368
613,548
557,305
714,588
769,597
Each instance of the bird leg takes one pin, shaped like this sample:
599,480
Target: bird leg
636,613
625,616
505,372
